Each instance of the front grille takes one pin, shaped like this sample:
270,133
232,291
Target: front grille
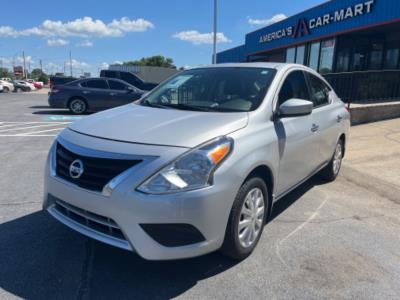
97,171
90,220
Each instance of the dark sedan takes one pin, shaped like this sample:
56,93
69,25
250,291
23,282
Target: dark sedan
93,94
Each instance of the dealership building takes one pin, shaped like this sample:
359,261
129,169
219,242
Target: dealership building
355,44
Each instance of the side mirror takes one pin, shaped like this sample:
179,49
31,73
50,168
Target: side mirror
295,108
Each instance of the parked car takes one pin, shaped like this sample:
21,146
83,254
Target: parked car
197,164
37,84
7,86
92,94
60,80
20,85
1,88
129,78
6,79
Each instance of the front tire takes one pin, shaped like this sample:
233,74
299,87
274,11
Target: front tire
331,171
77,106
6,89
247,219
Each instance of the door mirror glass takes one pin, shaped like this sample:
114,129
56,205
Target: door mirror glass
295,108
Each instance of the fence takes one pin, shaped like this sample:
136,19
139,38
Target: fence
366,86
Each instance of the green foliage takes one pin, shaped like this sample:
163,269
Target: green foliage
4,72
152,61
38,75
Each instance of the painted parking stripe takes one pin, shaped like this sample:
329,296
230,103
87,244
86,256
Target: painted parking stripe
30,127
37,132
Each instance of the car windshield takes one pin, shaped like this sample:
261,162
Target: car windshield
221,89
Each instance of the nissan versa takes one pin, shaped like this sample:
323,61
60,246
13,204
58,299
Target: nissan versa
196,164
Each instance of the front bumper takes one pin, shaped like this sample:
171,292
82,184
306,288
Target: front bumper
207,210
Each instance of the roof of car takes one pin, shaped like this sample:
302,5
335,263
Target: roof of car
271,65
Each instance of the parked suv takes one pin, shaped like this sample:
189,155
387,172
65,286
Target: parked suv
197,164
129,78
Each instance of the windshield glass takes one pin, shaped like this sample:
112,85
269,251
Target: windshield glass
230,89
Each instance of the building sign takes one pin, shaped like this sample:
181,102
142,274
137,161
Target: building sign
18,71
304,27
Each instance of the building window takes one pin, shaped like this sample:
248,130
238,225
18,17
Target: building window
291,55
314,56
343,60
392,58
300,54
376,55
326,58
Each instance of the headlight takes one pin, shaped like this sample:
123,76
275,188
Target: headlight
193,170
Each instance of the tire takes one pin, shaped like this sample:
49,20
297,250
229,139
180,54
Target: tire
331,171
77,106
240,243
6,89
18,90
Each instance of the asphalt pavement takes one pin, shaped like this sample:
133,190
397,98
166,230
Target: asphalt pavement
325,241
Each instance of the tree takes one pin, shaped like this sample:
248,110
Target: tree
38,75
4,72
153,61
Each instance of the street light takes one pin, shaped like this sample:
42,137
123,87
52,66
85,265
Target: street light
214,58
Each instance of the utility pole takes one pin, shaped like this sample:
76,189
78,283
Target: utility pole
65,67
70,63
214,58
24,70
41,66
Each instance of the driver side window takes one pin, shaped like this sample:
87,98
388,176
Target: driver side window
294,86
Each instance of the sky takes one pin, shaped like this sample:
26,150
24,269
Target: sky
99,33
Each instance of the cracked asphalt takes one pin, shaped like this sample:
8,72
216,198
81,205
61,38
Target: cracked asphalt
325,241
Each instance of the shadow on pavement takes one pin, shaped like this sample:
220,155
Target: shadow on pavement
41,259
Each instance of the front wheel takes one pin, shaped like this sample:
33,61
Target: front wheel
246,220
331,171
77,106
6,89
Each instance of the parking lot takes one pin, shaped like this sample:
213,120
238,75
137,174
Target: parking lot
325,241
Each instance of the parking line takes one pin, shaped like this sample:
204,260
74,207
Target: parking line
30,127
36,132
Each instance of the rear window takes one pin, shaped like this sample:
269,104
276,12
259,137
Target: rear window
97,84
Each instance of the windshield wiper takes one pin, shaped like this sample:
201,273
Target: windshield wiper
192,107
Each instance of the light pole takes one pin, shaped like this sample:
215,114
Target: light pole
214,58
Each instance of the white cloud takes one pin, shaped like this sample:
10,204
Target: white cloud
198,38
266,22
83,27
28,59
85,43
7,31
104,66
57,42
117,62
77,64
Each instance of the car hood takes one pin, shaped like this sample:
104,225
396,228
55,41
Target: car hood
156,126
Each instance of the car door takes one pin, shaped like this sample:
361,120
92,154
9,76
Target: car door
296,135
97,93
122,93
327,115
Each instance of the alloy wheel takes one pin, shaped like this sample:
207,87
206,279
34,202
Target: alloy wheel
337,158
251,217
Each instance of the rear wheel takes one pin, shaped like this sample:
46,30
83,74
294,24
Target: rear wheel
247,219
6,89
331,171
77,106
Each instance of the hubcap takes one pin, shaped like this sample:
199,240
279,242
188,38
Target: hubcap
337,158
251,217
78,106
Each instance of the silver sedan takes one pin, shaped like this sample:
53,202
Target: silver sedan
197,164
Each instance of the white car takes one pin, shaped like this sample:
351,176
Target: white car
197,164
1,88
7,86
30,86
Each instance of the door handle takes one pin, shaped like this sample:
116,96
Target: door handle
314,127
112,94
339,119
86,92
